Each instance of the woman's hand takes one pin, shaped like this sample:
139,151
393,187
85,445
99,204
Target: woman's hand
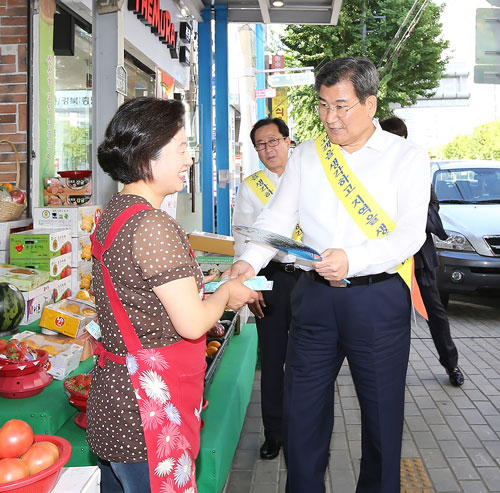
239,295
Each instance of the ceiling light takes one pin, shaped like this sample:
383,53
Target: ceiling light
278,3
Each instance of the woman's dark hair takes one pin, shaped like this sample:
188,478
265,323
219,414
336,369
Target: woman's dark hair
395,125
282,127
359,71
136,134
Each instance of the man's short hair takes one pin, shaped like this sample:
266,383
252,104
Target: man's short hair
395,125
359,71
282,127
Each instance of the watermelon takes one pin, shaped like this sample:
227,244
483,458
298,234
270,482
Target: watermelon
11,307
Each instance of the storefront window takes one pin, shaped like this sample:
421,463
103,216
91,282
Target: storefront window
140,79
73,105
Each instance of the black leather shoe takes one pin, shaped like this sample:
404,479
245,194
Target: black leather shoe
456,376
270,449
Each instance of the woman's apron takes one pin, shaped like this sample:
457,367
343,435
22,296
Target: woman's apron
168,385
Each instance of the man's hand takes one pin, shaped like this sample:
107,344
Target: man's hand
257,306
334,266
237,269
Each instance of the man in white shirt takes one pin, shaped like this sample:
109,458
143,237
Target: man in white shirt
361,197
270,137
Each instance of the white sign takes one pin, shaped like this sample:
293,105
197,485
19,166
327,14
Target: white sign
121,80
265,93
291,79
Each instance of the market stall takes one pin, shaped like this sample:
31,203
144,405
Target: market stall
228,394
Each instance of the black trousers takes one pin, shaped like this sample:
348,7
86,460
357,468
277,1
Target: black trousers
273,339
438,322
370,326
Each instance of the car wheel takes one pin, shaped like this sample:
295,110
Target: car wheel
445,298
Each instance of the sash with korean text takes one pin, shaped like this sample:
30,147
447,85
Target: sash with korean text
263,187
362,207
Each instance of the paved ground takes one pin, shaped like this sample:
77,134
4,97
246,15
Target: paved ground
453,431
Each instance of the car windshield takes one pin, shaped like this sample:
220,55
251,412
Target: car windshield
467,185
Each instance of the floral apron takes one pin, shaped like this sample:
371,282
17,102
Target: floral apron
168,385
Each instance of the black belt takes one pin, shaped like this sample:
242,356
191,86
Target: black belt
355,281
283,266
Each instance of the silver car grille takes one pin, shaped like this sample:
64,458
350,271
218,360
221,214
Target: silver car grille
494,243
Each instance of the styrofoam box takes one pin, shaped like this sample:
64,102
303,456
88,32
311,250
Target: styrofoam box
83,479
8,227
63,363
81,219
4,256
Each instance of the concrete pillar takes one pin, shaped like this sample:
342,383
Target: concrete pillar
107,53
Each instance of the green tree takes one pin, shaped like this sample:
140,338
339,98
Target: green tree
483,143
366,28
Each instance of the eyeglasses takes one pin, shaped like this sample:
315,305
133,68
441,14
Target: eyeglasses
260,146
338,109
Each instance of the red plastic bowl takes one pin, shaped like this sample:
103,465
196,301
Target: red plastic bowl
72,395
77,173
79,401
43,481
21,386
9,368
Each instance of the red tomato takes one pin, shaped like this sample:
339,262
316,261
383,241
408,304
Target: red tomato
12,470
16,437
40,456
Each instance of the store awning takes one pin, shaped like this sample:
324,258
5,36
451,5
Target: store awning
264,11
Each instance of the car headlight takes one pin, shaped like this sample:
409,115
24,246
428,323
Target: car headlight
455,241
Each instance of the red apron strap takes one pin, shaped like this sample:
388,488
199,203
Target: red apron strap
125,326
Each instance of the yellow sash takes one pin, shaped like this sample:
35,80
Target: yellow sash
363,208
263,187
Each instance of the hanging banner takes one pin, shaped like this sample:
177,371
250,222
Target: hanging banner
265,93
279,104
46,91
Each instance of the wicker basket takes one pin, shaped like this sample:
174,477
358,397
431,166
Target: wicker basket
10,211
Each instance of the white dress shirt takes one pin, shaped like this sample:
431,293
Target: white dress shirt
247,207
395,171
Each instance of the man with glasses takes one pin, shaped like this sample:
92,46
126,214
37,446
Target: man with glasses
272,310
361,195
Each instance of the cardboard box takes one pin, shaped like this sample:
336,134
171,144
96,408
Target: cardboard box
57,267
64,358
24,279
69,316
39,243
82,479
81,276
81,220
46,294
81,250
67,186
211,242
9,227
66,200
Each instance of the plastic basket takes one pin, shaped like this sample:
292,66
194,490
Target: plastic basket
10,211
43,481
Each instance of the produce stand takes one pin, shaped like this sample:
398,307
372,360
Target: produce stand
228,396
